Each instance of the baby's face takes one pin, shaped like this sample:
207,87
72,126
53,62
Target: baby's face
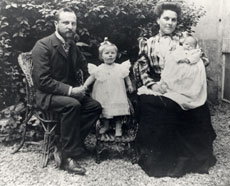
189,43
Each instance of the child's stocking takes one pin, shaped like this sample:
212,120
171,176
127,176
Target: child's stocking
105,127
118,130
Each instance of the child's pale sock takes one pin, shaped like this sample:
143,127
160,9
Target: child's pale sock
118,130
105,127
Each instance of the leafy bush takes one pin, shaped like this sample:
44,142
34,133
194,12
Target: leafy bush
11,127
23,22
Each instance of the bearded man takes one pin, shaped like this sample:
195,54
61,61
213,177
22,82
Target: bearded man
56,59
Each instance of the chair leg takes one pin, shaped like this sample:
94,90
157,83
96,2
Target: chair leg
48,143
99,150
135,155
45,149
28,116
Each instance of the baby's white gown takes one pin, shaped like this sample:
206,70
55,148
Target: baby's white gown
186,82
109,88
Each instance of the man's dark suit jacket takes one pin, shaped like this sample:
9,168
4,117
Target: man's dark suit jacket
54,71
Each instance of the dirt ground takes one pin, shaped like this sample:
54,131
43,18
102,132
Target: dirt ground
23,168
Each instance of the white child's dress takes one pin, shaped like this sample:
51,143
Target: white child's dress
109,88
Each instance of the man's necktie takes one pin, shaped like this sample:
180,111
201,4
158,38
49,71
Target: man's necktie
66,47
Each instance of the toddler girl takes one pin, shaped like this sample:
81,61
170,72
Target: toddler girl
109,87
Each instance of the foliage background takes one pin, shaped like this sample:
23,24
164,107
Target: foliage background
23,22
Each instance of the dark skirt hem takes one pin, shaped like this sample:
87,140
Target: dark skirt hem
171,141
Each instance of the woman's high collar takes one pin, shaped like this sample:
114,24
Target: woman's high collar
174,36
161,34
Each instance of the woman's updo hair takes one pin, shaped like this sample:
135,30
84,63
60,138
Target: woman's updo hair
106,43
167,5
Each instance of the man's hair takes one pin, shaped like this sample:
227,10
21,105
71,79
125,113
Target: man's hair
166,5
65,9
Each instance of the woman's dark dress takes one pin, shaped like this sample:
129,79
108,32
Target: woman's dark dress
171,141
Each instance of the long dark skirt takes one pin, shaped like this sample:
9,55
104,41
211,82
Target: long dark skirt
171,141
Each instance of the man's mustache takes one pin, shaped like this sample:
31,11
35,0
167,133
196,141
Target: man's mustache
69,32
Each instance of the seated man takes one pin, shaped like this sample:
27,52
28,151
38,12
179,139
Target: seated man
56,58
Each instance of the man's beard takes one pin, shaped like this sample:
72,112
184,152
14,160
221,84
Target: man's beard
67,36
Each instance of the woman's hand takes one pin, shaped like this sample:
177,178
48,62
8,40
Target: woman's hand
158,88
130,89
164,86
184,61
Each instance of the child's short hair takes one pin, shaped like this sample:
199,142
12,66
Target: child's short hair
105,44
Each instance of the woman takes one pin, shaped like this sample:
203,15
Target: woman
170,140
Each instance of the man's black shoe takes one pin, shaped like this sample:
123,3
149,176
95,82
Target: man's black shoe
72,166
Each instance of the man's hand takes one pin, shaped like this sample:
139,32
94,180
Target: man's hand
78,92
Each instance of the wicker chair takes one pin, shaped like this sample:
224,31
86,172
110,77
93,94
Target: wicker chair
48,119
108,140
